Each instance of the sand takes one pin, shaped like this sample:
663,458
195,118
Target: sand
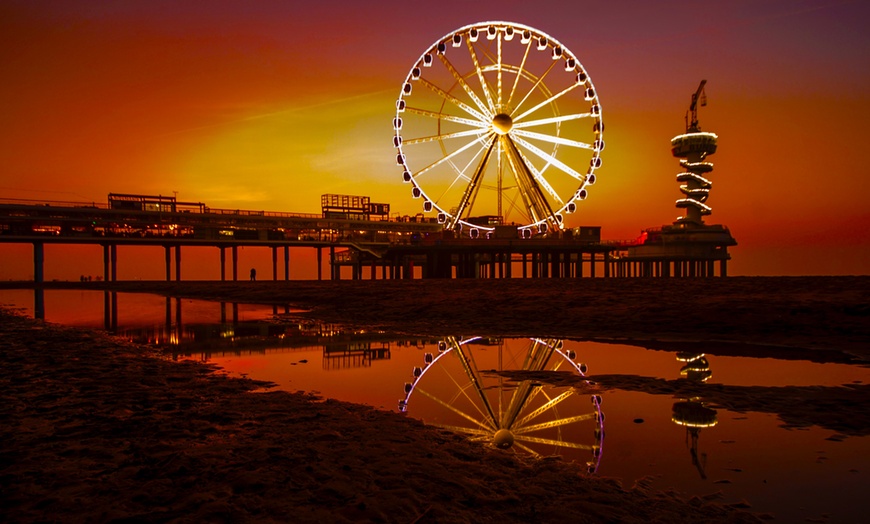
96,429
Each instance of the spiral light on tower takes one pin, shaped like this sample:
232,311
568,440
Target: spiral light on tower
692,148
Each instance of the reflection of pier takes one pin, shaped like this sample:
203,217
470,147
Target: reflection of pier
231,337
354,354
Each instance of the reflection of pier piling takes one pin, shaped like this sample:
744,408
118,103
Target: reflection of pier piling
354,354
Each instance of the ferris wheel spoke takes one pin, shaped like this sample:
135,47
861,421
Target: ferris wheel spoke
465,87
541,351
518,75
537,176
549,100
535,359
533,199
526,392
552,139
553,423
477,383
468,431
484,85
550,159
552,442
513,206
448,157
518,401
462,389
552,120
456,410
553,402
535,86
527,449
448,118
458,134
498,70
474,184
457,102
460,174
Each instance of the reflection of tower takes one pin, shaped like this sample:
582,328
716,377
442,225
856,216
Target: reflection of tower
697,369
524,415
692,148
691,412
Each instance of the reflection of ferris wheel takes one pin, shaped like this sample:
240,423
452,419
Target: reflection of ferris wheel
526,415
498,120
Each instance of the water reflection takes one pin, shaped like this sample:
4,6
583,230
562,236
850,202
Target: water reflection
691,412
760,428
451,388
39,303
460,389
174,332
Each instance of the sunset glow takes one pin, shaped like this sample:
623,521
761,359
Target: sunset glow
267,105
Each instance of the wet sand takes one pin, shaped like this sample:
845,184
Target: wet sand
97,429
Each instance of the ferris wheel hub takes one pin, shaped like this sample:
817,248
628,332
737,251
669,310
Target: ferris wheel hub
503,439
502,123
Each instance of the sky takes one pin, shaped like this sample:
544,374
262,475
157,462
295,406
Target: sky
267,105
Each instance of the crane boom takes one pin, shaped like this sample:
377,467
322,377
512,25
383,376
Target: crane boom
698,96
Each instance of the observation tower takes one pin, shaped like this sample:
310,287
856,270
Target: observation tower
688,247
692,148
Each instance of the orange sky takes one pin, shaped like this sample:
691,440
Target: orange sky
268,105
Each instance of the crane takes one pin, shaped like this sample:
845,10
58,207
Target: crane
699,95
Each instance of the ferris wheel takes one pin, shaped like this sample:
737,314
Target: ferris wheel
451,391
498,123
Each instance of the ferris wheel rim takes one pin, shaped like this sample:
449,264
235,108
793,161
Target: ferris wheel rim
479,115
485,430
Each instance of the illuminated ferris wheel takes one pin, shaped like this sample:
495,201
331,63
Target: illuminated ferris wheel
498,123
452,391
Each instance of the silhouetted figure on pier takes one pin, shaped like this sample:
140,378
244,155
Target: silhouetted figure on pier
253,273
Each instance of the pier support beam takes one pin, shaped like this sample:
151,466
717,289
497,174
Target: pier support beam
333,269
113,254
168,259
286,262
223,263
274,263
106,262
319,263
38,262
178,263
235,254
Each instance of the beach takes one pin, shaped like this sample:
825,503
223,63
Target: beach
98,429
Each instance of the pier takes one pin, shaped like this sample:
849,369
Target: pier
352,234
